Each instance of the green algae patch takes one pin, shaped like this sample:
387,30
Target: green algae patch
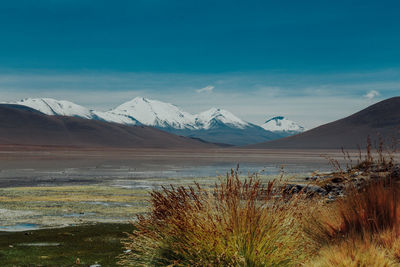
70,205
91,244
58,206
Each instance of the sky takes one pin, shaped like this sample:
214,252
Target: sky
312,61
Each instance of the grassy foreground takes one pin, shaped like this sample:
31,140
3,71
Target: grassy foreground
251,223
350,217
99,243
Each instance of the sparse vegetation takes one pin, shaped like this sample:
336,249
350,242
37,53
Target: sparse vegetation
92,244
350,217
248,223
239,223
69,205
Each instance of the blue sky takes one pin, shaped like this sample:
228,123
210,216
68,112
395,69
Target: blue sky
313,61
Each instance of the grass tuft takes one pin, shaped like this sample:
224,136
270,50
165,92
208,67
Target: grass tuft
244,222
238,223
352,253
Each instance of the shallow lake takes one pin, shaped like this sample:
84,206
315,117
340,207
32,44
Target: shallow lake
81,167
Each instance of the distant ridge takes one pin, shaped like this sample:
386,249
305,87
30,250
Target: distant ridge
381,119
21,125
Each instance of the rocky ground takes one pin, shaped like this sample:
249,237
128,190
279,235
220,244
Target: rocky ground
334,185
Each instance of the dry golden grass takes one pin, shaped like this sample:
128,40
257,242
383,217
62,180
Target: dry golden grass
239,223
361,229
247,223
354,253
373,209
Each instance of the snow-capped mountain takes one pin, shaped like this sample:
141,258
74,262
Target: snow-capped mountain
280,124
55,107
215,116
165,115
116,118
155,113
213,125
52,107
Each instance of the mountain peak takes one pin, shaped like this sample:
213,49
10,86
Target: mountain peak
155,113
277,118
217,111
144,99
52,106
281,124
212,115
213,109
137,99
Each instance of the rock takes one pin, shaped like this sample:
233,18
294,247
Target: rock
337,180
355,174
316,177
316,190
331,198
312,178
395,172
328,187
308,189
292,188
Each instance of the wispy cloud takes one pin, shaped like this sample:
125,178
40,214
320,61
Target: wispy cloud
372,94
207,89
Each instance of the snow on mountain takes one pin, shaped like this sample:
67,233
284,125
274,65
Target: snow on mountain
213,125
213,116
166,115
281,124
140,111
158,114
55,107
115,118
155,113
51,106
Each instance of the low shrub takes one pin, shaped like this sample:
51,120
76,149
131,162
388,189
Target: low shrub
238,223
244,222
374,209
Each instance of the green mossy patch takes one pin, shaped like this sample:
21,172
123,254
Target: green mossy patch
98,243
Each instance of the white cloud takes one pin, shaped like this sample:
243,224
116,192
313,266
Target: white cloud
207,89
372,94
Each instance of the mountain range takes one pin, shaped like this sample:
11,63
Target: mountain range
62,123
213,125
22,125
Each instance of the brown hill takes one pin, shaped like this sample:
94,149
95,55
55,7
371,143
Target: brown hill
21,125
379,120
